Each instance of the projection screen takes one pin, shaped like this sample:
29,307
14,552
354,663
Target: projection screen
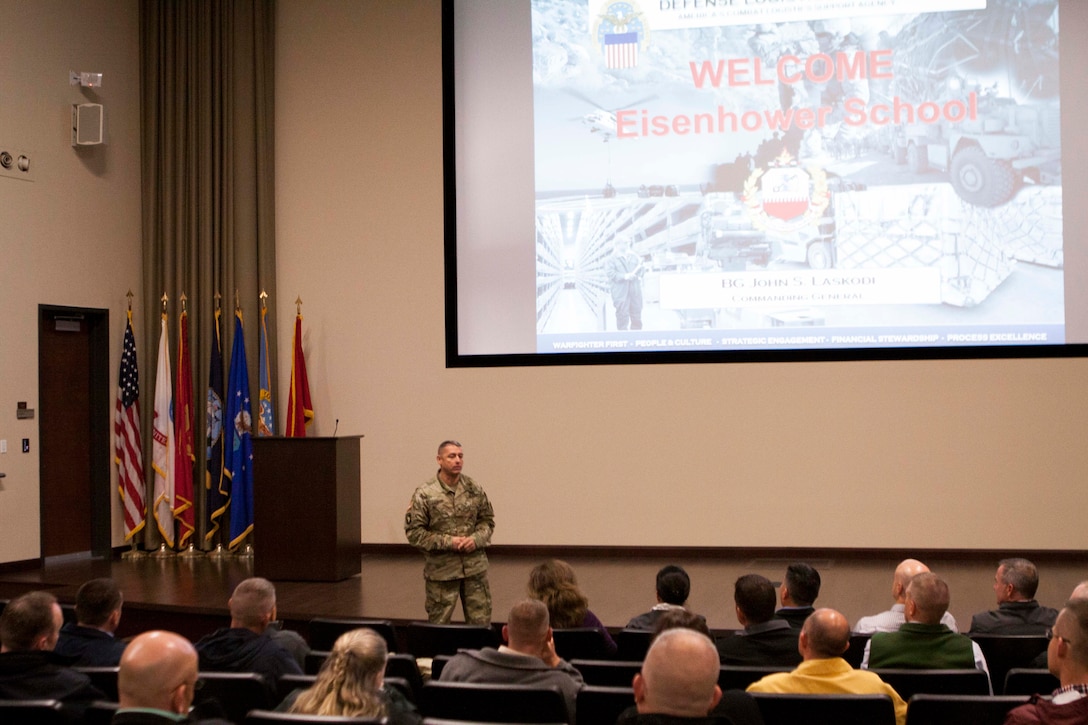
683,180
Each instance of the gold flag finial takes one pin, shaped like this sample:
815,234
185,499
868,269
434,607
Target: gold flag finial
298,305
164,299
263,296
129,295
184,299
218,298
237,301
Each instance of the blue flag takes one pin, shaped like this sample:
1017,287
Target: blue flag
216,485
238,451
267,424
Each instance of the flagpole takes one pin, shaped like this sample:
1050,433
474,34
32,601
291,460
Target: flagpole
134,552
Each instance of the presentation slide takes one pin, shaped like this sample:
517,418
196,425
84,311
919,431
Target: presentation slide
725,175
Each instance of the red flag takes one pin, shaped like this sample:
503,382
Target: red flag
184,455
126,437
300,410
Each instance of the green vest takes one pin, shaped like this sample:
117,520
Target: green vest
921,646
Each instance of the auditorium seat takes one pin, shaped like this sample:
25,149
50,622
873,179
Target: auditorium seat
437,663
311,664
288,683
1028,681
235,692
324,631
633,644
824,709
607,673
491,703
104,678
961,709
404,666
427,640
738,677
908,682
596,704
39,712
261,717
1003,652
583,643
855,653
98,712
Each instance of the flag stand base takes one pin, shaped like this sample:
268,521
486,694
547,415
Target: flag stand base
191,552
218,553
163,553
133,553
246,553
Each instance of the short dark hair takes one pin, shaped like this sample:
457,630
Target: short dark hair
803,583
681,618
25,619
443,444
754,595
673,584
1021,574
96,600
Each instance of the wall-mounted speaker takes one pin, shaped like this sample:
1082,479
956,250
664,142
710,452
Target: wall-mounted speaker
86,124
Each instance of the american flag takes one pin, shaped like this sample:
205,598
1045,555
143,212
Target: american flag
621,50
126,437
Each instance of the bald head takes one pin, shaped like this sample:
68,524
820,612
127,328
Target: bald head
679,675
907,570
825,634
253,604
1080,591
158,669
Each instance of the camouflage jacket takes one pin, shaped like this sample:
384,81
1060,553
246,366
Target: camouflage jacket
437,514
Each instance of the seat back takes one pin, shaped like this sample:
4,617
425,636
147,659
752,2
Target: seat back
1027,681
602,704
289,683
437,663
961,709
1003,652
103,678
855,653
39,712
607,673
236,693
427,640
935,682
633,644
404,666
311,665
98,712
738,677
823,709
583,643
493,703
324,631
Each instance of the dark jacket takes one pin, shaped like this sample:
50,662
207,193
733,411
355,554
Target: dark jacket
1015,618
773,642
796,616
241,650
89,647
41,675
1045,712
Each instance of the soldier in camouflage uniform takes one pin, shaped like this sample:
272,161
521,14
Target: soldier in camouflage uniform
450,520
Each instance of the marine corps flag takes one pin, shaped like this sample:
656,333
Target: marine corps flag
266,426
184,453
216,486
162,457
127,446
300,410
238,454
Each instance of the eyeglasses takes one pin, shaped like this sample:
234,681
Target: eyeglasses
1051,634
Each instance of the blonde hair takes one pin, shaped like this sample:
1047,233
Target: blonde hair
348,683
554,584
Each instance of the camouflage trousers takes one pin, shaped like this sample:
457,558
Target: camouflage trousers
474,593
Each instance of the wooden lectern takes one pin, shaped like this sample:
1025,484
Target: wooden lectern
306,508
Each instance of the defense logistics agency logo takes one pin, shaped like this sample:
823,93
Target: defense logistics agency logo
786,196
621,32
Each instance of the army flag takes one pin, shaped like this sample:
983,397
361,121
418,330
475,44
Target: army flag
184,451
127,446
162,452
266,426
300,410
238,454
216,486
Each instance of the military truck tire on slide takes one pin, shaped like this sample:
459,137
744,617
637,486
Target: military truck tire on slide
980,180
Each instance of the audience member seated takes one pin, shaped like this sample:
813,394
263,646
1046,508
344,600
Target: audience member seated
1067,659
765,640
1080,591
29,668
247,646
89,640
923,642
351,681
156,681
1017,611
292,641
681,618
527,658
825,636
798,592
554,584
673,587
891,620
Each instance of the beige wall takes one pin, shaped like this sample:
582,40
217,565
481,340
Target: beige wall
72,236
940,454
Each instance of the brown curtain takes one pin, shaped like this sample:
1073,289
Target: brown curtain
206,100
